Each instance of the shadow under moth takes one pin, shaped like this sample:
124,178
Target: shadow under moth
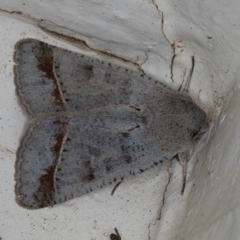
92,123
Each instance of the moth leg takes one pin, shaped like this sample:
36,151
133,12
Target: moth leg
115,187
183,159
116,236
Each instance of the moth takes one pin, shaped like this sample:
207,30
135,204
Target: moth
92,123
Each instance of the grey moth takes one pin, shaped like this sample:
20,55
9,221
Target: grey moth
92,123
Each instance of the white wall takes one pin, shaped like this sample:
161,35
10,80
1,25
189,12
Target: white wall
133,30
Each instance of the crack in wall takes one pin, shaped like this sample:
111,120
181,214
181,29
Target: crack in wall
145,60
165,190
86,46
12,12
165,36
163,200
184,86
4,149
172,60
74,40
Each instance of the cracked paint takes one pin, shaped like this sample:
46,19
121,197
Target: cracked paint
163,201
85,45
176,50
78,42
140,65
165,36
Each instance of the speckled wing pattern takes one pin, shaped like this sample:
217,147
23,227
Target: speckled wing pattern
93,123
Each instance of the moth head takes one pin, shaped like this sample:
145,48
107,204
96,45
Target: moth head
198,123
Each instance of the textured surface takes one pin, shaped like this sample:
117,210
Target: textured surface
211,33
94,123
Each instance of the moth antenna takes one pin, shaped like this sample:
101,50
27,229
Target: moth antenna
185,84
